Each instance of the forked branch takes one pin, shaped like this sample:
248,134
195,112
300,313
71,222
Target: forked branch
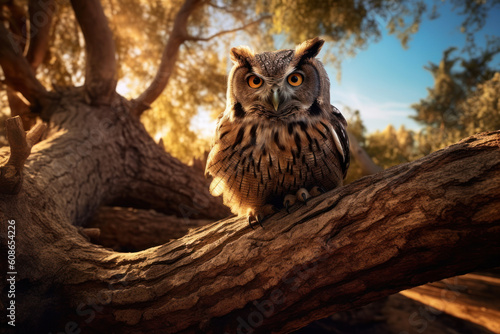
177,37
20,148
169,57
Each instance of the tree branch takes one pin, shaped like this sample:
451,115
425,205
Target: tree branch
473,297
17,23
18,73
126,229
168,58
418,222
368,167
223,32
165,184
20,148
100,69
18,107
41,13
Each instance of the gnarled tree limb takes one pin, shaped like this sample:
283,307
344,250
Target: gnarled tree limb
415,223
100,68
165,184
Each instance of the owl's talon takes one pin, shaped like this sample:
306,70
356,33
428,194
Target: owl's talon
303,195
287,204
260,220
288,201
250,222
260,214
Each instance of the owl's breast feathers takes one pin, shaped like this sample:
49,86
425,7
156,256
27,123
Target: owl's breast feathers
258,162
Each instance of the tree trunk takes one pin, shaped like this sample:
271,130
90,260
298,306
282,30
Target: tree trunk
411,224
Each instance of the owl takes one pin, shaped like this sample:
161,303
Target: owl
279,140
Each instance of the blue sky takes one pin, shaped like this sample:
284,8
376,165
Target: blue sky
385,79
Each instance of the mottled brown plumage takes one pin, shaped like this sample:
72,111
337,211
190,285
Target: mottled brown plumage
278,133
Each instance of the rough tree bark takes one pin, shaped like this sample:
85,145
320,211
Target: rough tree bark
414,223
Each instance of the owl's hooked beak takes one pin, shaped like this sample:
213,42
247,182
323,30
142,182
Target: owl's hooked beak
276,99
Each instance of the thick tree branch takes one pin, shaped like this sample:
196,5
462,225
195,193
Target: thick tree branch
418,222
100,69
223,32
41,13
18,73
169,57
127,229
368,167
165,184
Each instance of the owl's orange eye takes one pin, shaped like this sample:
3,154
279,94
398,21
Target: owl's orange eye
254,81
295,79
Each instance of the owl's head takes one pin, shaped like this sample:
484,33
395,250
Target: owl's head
279,84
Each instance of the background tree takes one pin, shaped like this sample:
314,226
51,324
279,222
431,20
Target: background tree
445,112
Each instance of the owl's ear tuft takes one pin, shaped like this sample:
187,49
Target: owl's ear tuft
309,49
241,55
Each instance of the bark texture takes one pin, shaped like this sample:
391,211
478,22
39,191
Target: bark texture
411,224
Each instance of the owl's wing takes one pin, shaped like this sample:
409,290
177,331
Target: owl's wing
340,137
240,172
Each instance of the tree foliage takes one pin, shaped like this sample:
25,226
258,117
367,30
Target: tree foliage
463,100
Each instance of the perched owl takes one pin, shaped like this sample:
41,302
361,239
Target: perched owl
279,139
